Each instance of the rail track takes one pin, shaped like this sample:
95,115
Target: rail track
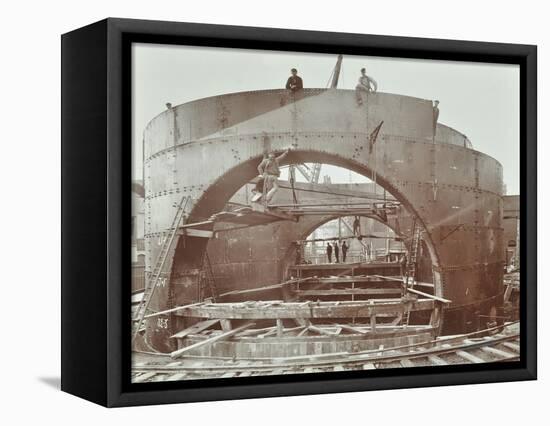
464,349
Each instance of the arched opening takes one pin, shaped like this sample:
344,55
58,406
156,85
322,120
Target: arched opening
366,239
186,287
221,191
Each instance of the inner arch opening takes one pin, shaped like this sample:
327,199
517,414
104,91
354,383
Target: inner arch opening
233,188
359,238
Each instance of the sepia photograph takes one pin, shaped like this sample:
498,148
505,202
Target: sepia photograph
297,213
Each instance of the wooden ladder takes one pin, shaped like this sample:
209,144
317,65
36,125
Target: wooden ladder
412,260
157,269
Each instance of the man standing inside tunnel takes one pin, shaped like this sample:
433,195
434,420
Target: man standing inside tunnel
336,252
344,251
329,253
269,170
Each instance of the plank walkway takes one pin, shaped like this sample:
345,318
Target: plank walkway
463,349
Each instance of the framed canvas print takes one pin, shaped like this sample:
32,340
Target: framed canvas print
252,212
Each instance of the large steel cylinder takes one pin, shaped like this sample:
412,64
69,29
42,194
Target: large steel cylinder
207,149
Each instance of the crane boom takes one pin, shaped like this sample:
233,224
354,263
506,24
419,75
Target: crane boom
336,73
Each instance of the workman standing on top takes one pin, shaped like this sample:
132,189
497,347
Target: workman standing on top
366,84
270,171
435,117
294,82
336,252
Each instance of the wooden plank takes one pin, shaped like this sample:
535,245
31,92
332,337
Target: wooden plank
136,297
264,288
388,278
219,337
407,363
198,233
344,292
352,329
176,309
273,212
497,352
196,224
325,360
368,279
195,328
145,376
469,357
434,359
255,331
271,332
289,310
321,330
348,266
304,331
226,324
177,376
431,296
512,346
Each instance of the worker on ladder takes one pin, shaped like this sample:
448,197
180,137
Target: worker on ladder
365,84
270,171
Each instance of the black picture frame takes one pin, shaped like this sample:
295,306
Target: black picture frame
96,134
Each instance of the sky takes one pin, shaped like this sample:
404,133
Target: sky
479,100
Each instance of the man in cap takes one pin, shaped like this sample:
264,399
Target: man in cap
294,82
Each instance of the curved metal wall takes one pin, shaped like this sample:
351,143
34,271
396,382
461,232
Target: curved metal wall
207,149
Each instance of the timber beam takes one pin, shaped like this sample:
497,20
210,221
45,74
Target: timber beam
292,310
347,292
357,279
